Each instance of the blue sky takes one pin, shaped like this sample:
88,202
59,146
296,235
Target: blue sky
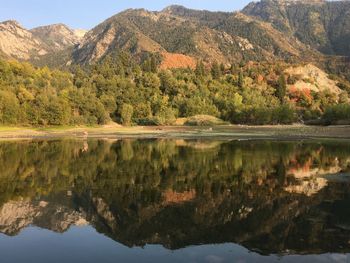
88,13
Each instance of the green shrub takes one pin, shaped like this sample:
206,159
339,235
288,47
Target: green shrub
265,116
204,120
335,113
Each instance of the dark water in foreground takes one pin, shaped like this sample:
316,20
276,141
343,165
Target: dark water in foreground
174,201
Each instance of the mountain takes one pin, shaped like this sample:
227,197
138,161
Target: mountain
298,31
269,30
17,42
20,43
58,36
210,36
320,24
19,214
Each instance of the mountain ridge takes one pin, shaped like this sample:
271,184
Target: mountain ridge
23,44
268,30
203,35
324,25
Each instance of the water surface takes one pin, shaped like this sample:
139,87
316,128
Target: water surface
174,201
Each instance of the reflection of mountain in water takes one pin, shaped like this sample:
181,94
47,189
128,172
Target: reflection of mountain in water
267,196
16,215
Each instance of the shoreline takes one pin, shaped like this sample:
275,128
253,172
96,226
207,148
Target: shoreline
292,132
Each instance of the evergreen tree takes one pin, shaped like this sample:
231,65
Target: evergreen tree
240,82
153,64
281,88
215,71
200,69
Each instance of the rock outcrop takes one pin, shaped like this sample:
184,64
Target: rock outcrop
18,42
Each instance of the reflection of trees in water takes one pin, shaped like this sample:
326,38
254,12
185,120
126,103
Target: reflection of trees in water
188,192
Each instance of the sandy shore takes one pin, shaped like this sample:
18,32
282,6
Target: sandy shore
231,132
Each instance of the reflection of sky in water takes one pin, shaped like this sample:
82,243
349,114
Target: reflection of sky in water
84,244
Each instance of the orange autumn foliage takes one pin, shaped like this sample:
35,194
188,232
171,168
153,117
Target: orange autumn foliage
300,95
173,60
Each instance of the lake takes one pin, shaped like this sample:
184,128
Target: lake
168,200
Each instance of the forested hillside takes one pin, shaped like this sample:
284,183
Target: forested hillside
120,89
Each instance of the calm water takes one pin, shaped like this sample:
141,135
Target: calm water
174,201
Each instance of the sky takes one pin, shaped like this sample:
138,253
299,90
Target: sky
85,14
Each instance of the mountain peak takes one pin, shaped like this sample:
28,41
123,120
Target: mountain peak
292,2
174,9
59,28
52,27
12,23
57,36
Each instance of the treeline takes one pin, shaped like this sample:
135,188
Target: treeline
122,90
30,96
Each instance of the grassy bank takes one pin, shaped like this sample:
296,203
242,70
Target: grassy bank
227,131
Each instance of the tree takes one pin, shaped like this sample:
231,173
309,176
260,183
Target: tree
146,65
57,112
9,108
150,64
340,112
284,115
281,88
200,69
165,116
154,64
168,84
232,107
240,82
126,114
109,103
215,71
